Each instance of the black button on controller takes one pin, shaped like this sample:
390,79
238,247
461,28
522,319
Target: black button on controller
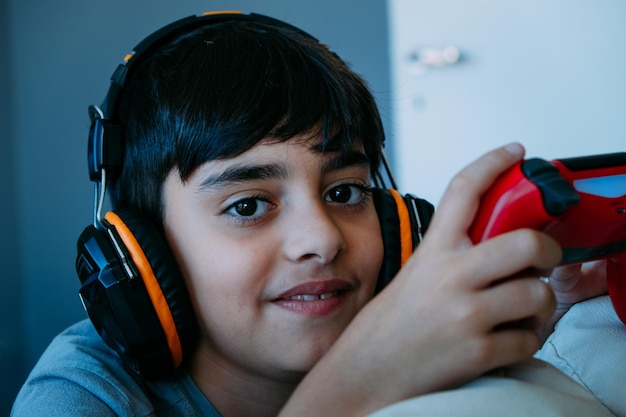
556,192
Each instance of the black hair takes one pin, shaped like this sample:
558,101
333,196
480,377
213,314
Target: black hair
218,90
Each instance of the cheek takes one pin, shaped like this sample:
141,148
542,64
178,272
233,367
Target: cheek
368,245
219,277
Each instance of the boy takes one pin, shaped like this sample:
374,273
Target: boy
250,147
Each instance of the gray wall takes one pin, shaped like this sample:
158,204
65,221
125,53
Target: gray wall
11,332
57,57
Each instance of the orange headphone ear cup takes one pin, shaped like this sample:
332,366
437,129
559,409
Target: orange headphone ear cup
390,231
403,221
146,315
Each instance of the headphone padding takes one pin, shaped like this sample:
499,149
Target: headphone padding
390,230
403,222
163,281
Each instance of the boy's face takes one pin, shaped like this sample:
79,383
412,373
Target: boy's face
280,247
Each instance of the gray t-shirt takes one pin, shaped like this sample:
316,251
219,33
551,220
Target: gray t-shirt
79,375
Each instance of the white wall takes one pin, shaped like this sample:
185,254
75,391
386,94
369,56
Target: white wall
547,73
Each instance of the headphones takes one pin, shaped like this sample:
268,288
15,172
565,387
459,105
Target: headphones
131,286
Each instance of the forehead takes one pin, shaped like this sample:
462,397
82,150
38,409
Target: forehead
271,159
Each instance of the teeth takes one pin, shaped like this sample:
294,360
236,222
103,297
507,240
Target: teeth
309,297
306,297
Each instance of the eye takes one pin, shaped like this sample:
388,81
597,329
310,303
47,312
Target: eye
249,209
347,193
245,207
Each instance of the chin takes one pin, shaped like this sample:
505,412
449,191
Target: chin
316,351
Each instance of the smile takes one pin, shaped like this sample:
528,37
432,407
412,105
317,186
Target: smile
315,299
311,297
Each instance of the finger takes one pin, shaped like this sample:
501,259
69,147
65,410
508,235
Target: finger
576,282
459,203
567,276
508,255
519,303
566,272
504,320
595,268
506,347
596,274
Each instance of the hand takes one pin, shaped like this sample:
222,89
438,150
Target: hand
572,284
453,312
469,309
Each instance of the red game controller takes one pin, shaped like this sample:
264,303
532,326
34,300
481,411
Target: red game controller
580,202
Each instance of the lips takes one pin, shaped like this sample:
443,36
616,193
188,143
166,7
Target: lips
318,289
313,297
316,298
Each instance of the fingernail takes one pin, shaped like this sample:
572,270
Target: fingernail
515,148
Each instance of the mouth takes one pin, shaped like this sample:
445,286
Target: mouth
315,298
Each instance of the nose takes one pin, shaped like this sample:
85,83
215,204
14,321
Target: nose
313,235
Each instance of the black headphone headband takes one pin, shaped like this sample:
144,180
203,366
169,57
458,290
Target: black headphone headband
105,138
160,37
131,286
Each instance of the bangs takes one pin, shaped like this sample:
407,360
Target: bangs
227,101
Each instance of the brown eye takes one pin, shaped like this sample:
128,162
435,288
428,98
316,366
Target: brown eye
340,194
249,210
246,207
347,194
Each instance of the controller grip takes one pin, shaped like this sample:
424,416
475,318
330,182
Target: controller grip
616,281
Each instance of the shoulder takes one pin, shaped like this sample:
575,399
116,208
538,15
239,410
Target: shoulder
79,375
79,372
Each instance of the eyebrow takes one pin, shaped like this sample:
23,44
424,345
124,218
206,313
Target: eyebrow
346,160
243,173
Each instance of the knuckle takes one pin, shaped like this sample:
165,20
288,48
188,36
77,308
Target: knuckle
470,312
461,182
533,244
530,242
